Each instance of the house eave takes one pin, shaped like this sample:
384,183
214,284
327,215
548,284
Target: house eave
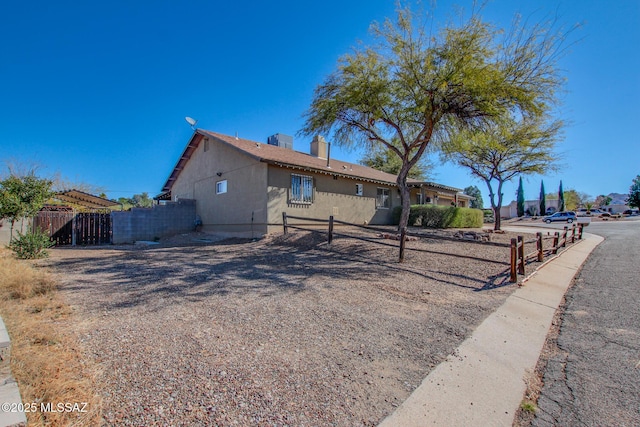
328,171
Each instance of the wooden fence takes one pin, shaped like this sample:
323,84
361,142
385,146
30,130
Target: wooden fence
518,259
560,240
67,228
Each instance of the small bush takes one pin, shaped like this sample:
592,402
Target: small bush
31,245
429,216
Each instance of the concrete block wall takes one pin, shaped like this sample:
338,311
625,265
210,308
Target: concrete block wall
150,223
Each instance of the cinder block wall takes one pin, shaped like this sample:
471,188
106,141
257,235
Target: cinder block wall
148,223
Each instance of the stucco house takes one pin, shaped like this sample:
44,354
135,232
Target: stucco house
241,187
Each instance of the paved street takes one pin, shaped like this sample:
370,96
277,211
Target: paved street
594,378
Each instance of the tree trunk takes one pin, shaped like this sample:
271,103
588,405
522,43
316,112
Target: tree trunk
495,207
498,208
405,200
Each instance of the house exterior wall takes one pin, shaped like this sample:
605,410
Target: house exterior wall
331,196
242,208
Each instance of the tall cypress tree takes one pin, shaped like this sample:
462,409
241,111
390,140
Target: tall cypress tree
543,199
560,198
520,199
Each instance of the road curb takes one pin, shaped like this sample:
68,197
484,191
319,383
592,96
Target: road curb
483,381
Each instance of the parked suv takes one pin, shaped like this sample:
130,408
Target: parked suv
567,216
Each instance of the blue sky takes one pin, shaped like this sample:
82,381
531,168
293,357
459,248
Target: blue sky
98,91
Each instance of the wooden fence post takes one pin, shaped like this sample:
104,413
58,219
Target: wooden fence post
514,255
580,227
330,229
556,240
520,254
539,246
564,236
284,222
573,233
403,239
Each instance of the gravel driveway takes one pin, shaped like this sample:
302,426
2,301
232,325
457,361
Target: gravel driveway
282,331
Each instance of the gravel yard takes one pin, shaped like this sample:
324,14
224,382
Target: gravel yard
280,331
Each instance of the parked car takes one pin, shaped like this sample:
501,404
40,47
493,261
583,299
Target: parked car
568,216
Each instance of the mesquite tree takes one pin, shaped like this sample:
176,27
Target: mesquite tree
416,88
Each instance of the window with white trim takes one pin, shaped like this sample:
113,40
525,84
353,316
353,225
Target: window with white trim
221,187
301,189
383,199
359,190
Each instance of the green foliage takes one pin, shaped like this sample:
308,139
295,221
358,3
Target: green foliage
543,201
417,86
384,159
474,192
574,199
429,216
634,193
23,196
503,149
603,200
528,406
137,200
561,205
520,203
31,245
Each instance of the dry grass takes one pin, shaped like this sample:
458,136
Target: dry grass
46,359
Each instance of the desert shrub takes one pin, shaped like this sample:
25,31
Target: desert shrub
31,245
429,216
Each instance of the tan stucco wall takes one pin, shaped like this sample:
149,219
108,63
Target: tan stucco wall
335,197
246,195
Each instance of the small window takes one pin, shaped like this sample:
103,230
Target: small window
206,144
358,189
382,199
301,189
221,187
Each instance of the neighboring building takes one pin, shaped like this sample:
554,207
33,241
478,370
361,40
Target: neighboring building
243,187
618,203
511,210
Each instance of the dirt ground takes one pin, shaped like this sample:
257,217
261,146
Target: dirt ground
281,331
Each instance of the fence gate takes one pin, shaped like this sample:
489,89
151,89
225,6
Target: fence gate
62,226
93,228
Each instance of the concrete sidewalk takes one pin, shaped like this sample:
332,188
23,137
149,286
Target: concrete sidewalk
482,383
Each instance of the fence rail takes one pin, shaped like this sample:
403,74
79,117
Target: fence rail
560,240
518,259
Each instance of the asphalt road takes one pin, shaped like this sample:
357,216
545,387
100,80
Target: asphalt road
594,378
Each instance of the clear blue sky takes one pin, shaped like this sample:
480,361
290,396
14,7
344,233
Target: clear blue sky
98,91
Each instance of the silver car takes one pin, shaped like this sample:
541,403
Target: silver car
568,216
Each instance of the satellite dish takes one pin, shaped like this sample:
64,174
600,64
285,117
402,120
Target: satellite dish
191,122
